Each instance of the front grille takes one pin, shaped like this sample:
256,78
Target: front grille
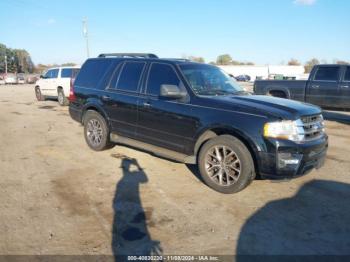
313,126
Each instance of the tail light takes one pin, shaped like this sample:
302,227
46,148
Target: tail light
72,96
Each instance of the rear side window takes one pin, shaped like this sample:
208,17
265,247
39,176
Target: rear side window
130,76
347,74
69,72
330,73
161,74
92,72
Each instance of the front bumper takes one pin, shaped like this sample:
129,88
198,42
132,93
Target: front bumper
287,159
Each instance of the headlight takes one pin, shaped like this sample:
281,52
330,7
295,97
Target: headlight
290,130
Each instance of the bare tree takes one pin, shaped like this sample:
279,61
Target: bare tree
310,64
294,62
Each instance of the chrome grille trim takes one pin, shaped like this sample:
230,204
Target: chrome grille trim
313,126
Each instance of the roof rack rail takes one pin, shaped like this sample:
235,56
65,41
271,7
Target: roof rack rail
131,55
177,59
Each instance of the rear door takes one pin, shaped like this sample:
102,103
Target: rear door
323,89
165,122
120,99
345,88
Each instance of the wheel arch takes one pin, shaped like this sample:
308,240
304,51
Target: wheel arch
278,89
217,131
96,108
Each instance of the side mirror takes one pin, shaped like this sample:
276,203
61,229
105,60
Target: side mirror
42,76
171,91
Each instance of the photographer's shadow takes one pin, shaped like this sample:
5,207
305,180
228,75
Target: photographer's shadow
130,233
316,221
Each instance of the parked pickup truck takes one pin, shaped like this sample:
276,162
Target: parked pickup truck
328,86
196,114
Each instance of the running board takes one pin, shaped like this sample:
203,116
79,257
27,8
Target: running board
159,151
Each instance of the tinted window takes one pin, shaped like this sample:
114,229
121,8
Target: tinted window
209,80
54,73
130,76
327,73
161,74
48,74
347,74
69,72
92,72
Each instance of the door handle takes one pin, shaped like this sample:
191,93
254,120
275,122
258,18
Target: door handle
106,98
315,86
146,104
344,86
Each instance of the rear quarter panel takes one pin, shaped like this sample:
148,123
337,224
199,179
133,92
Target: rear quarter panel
295,89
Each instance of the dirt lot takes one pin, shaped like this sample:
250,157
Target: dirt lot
60,197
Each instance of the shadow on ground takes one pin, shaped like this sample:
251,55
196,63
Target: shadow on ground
130,233
339,116
316,221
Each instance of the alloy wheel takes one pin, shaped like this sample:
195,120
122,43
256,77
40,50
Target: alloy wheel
222,165
94,132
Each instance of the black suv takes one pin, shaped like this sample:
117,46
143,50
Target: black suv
195,113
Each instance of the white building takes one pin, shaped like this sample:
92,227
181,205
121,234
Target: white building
264,72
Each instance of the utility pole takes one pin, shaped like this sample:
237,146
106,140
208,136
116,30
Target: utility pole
86,36
5,64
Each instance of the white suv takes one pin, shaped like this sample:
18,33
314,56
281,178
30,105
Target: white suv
56,83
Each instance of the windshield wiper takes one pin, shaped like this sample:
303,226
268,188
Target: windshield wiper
215,92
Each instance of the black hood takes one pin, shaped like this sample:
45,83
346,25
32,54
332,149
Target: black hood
265,105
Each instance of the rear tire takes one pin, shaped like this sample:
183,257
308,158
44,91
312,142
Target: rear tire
96,131
62,99
38,94
226,165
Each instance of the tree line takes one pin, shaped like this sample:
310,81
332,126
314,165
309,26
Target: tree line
18,60
226,59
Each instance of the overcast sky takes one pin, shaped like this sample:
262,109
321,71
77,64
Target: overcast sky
265,32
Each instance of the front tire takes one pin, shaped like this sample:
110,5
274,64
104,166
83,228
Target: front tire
225,164
38,94
62,99
96,131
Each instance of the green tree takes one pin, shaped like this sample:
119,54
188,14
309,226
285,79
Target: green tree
310,64
225,59
18,60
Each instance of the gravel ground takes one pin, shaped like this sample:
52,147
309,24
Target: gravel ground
60,197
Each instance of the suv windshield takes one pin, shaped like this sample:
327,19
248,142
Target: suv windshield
209,80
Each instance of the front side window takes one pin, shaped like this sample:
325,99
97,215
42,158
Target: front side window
330,73
54,73
130,76
161,74
209,80
347,74
48,74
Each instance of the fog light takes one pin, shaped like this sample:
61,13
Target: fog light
289,160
